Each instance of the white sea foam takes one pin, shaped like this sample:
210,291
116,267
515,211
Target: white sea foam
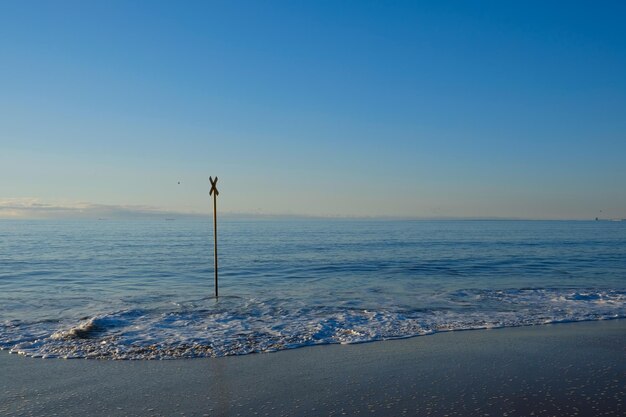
200,328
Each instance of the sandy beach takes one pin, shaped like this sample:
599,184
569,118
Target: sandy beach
554,370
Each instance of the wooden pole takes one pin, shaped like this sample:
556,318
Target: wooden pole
214,192
215,237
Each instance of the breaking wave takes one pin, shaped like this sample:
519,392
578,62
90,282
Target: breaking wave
238,326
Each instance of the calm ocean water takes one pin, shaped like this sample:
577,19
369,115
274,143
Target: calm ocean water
143,289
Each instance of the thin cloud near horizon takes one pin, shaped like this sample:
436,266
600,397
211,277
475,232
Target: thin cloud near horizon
35,208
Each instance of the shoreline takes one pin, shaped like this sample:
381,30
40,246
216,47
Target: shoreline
553,369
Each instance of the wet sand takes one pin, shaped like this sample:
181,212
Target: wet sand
574,369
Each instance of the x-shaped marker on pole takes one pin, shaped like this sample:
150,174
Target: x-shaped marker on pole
213,186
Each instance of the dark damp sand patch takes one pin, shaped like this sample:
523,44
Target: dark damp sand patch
553,370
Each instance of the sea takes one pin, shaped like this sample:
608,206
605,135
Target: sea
144,289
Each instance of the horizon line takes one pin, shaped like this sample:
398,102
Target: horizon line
34,209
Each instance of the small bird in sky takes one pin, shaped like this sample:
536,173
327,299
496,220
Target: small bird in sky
178,182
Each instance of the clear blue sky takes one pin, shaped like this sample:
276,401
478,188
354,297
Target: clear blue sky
364,108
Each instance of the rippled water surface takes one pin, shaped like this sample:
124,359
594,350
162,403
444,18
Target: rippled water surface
143,289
